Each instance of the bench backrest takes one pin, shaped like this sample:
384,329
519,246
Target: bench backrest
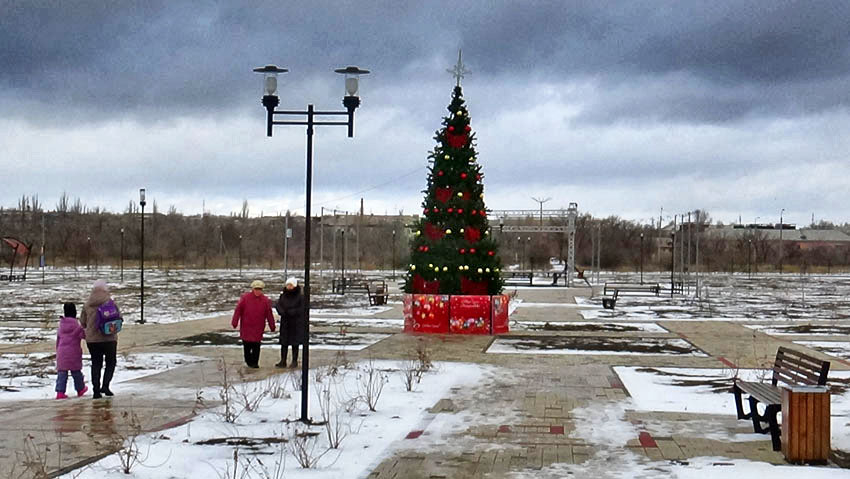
793,367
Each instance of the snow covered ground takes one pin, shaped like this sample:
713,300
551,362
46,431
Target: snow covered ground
209,445
762,297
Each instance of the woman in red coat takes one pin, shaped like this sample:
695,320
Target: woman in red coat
252,312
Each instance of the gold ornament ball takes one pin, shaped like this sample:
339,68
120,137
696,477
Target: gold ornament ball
418,232
413,267
436,268
461,230
449,231
460,194
430,265
487,269
480,270
445,268
460,268
447,157
466,267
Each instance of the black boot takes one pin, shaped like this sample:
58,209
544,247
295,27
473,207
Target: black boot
282,363
294,363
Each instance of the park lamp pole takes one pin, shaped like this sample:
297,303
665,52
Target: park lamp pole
672,263
780,239
122,255
270,100
142,202
641,258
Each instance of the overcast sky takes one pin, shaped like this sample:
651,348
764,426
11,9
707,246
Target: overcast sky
739,108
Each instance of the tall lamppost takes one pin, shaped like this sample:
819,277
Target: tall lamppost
393,265
88,253
780,239
122,255
240,255
641,258
142,202
270,100
672,263
749,258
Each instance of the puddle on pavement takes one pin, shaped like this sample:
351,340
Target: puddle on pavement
716,385
577,327
809,329
590,345
318,340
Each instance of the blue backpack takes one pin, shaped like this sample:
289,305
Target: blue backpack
108,319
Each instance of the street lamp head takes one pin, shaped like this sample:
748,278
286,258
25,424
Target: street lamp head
270,78
352,79
142,196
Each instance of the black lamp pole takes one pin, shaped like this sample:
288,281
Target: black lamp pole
749,258
672,264
122,255
142,202
270,100
240,255
641,258
393,266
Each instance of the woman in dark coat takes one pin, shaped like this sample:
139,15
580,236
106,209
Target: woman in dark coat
290,307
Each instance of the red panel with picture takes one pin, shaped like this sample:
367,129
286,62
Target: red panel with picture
428,313
500,313
470,314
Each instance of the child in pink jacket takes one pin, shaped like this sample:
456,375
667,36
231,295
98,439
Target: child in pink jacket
69,353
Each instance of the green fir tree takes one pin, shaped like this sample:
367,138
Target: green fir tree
452,250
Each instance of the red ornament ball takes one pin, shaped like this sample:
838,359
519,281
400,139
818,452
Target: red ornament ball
491,253
472,250
451,128
467,128
450,210
425,211
463,176
440,173
436,210
478,177
460,211
462,250
473,212
425,248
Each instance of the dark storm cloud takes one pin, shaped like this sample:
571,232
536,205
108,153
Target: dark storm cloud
99,59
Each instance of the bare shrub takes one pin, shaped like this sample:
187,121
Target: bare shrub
294,378
227,393
371,382
126,440
251,395
336,423
276,387
33,459
302,445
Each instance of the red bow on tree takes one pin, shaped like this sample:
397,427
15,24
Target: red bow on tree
433,232
443,194
456,141
472,234
425,287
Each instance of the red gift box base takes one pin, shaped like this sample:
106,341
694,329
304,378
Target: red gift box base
455,314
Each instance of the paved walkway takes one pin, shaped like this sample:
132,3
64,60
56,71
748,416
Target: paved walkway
519,418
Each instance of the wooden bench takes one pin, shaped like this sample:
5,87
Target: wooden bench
349,285
377,292
616,288
792,368
523,275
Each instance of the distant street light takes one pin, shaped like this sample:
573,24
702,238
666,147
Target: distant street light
641,258
240,255
749,258
142,202
780,239
393,265
122,255
672,263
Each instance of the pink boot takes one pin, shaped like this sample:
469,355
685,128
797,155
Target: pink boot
83,391
61,396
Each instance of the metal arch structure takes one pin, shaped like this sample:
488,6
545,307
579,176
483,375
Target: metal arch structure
571,214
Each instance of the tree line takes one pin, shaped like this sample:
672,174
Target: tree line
76,235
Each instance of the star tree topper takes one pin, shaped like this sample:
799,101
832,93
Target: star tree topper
459,70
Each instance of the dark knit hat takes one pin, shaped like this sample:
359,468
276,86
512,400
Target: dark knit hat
70,310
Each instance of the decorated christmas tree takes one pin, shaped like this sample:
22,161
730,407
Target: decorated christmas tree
452,251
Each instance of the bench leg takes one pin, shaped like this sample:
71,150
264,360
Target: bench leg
739,406
757,418
775,438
